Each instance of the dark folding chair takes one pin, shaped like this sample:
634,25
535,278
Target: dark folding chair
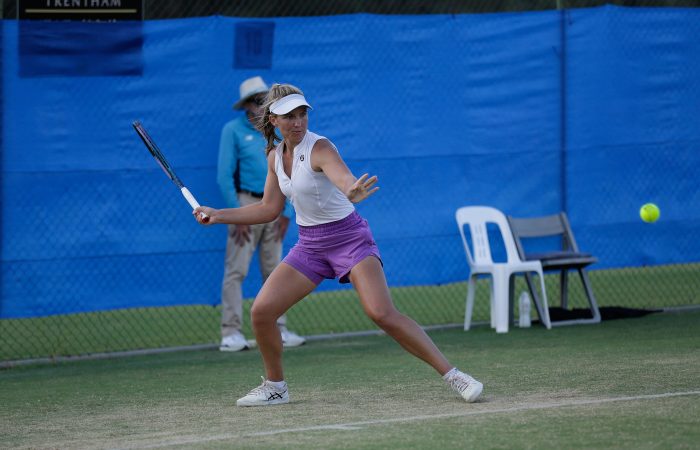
567,257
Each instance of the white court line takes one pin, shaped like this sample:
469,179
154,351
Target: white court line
358,425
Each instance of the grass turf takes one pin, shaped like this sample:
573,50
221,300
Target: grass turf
570,387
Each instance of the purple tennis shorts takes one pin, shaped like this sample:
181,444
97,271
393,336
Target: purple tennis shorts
332,249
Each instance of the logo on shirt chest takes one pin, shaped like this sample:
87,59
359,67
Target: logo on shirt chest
249,137
301,158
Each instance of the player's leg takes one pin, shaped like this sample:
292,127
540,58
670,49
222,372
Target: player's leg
269,256
368,279
284,287
291,281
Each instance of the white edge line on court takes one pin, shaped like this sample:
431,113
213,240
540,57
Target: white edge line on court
358,425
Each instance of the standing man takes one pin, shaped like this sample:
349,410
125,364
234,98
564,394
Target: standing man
241,174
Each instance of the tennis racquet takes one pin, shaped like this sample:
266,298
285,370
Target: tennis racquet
163,163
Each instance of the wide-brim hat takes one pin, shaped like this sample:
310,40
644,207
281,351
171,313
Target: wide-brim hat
249,88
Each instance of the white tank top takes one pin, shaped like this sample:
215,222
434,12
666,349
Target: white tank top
315,198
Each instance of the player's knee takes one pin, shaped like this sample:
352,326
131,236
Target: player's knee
383,317
260,315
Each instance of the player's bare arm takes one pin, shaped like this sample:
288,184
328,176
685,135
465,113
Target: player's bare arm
325,158
267,210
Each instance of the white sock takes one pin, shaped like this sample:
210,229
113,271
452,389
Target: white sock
277,384
450,374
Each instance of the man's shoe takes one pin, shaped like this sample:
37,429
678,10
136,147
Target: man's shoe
233,343
291,339
466,386
265,394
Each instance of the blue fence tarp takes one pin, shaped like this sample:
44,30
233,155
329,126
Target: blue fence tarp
447,110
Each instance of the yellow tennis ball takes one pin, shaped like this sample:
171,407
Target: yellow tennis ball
649,213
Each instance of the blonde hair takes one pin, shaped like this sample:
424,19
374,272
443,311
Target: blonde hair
277,91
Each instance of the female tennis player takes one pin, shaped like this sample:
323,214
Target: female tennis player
334,242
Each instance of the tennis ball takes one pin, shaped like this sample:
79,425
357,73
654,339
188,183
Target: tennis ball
649,213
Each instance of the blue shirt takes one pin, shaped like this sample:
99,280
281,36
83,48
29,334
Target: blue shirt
242,151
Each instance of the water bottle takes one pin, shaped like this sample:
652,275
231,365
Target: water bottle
524,308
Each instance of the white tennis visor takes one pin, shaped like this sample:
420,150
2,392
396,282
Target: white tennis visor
288,103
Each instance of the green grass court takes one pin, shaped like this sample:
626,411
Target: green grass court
630,383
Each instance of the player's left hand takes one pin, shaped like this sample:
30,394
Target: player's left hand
362,188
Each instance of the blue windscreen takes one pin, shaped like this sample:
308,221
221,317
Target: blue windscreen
447,110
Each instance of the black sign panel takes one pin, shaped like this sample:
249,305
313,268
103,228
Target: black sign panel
80,10
80,37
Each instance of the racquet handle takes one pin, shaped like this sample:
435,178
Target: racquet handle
193,203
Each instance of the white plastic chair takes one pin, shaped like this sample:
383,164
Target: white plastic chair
481,262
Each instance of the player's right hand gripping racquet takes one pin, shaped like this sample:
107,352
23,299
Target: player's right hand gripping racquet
158,155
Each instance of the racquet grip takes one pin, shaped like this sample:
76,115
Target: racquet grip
193,203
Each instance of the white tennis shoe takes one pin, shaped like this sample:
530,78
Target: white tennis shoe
464,385
290,338
265,394
233,343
